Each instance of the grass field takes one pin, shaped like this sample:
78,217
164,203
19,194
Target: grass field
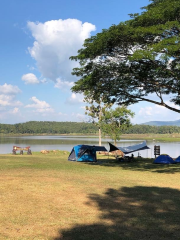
45,197
171,137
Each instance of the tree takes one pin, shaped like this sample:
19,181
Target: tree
115,121
95,111
129,62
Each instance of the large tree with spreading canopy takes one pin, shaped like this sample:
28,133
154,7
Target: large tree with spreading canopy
135,59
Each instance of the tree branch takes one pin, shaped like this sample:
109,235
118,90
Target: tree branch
159,103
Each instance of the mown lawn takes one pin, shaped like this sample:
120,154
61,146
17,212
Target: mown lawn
45,197
171,137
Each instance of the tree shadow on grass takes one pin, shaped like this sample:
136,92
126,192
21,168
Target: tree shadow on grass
132,213
141,164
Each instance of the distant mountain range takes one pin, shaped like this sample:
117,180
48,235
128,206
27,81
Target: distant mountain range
163,123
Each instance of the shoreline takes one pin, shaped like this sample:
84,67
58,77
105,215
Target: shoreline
173,137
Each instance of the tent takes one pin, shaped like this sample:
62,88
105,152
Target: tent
129,149
85,153
177,160
164,159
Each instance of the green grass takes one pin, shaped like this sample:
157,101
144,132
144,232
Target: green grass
47,197
173,137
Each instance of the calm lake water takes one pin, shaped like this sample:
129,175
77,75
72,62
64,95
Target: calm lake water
38,143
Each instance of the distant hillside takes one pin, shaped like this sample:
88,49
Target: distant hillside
163,123
41,127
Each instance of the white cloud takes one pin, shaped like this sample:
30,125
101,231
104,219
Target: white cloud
8,103
40,106
37,103
63,84
15,110
147,111
5,100
154,112
62,114
55,41
8,94
75,98
43,80
79,116
30,78
31,67
8,89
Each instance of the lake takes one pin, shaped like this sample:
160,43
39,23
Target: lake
66,143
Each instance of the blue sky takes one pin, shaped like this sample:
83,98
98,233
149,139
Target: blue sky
37,39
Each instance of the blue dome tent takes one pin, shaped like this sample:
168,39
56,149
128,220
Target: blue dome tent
177,160
85,153
164,159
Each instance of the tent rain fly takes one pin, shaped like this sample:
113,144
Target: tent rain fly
129,149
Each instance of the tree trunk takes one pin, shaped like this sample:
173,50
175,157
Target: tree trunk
99,136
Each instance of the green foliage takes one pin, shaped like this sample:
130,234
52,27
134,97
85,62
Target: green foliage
36,127
129,61
116,121
143,129
95,110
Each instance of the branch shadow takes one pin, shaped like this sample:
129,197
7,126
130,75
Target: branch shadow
138,164
131,213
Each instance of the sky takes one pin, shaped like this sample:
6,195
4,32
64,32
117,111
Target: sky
37,39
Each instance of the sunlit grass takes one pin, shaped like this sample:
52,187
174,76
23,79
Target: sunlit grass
48,197
173,137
